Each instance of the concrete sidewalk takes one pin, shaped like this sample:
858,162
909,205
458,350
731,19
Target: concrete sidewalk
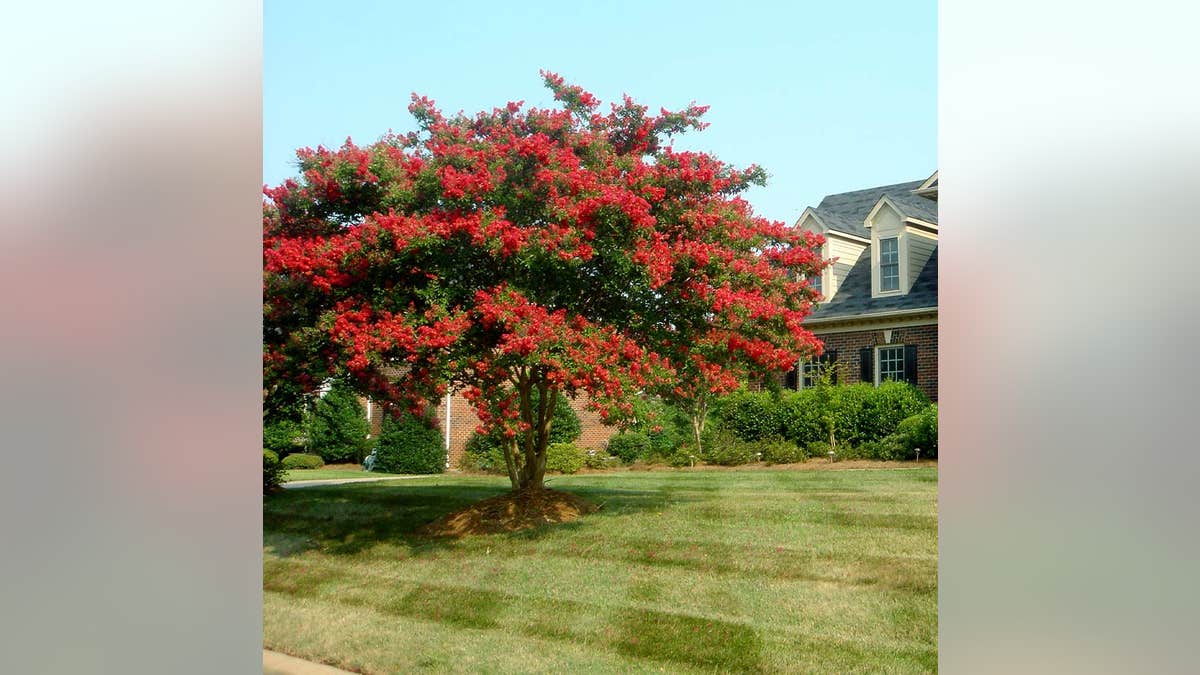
275,663
341,481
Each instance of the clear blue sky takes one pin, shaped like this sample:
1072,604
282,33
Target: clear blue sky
827,96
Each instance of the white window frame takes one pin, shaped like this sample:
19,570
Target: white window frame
899,276
879,363
805,365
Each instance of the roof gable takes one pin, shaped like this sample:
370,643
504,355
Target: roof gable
847,211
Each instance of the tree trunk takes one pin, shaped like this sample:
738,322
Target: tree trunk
527,471
699,414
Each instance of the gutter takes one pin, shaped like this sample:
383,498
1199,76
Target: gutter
890,314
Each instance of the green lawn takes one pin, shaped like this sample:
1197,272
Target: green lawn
767,570
323,474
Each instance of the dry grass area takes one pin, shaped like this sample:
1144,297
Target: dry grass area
761,570
510,512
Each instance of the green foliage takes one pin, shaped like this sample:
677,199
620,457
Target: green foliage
801,416
780,451
629,446
565,427
272,471
564,458
599,459
821,450
337,429
664,425
725,449
858,413
409,444
283,436
301,460
684,455
483,454
865,413
917,431
751,416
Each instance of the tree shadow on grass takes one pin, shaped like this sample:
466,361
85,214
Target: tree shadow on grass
350,519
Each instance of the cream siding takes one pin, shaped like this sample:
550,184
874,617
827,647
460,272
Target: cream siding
920,247
847,253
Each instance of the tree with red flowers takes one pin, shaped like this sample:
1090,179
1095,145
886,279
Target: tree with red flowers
520,253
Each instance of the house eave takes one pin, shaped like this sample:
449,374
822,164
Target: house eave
918,312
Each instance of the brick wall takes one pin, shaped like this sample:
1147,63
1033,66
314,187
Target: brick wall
463,422
848,345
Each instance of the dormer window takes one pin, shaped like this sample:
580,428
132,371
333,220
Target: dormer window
889,264
815,282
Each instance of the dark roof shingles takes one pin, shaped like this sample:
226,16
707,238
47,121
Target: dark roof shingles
845,212
853,296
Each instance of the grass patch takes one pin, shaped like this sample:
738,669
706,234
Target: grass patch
730,571
326,474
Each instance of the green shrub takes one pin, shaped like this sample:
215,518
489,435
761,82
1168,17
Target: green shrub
565,427
725,449
337,429
272,471
599,459
301,460
564,458
800,416
664,425
283,437
629,446
483,454
409,444
779,451
820,450
919,431
748,415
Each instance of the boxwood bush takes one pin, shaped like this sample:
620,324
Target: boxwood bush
301,460
564,458
409,444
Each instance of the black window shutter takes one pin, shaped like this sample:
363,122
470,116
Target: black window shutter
867,369
910,363
831,360
791,380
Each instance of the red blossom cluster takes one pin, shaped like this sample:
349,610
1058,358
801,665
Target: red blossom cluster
563,249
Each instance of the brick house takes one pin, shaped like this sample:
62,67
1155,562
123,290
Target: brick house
878,319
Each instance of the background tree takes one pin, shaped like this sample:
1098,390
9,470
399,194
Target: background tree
337,429
522,253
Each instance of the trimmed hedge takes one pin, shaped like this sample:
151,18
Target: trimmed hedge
564,458
857,413
300,460
409,444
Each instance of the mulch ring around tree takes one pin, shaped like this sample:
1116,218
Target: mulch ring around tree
510,512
